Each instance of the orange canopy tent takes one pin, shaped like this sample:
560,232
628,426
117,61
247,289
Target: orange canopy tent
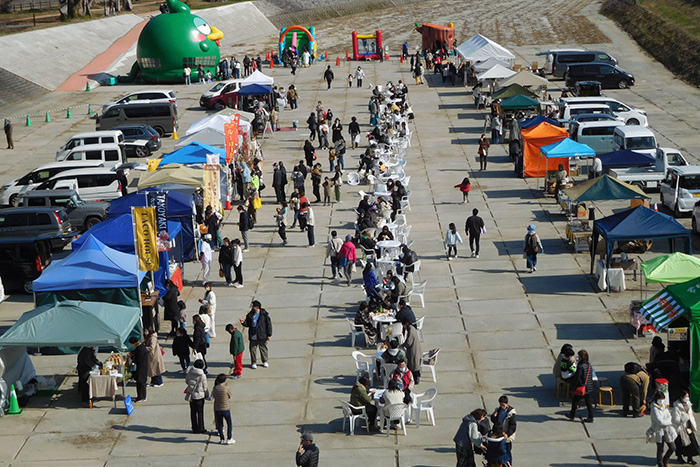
535,163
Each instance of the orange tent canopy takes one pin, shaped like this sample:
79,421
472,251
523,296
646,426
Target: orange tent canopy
534,163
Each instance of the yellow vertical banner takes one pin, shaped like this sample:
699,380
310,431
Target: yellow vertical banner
145,238
211,186
231,138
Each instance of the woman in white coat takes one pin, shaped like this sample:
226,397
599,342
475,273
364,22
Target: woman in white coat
684,423
661,431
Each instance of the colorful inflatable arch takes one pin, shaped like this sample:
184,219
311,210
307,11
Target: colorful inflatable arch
366,46
434,34
298,37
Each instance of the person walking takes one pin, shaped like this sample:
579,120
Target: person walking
411,344
332,250
354,129
496,129
237,264
236,347
328,76
465,187
281,221
292,97
156,365
685,425
181,348
307,214
8,133
199,340
322,134
336,131
347,255
243,225
661,430
359,76
308,453
531,247
259,327
468,438
312,125
188,75
451,239
205,257
197,392
222,409
209,301
309,152
483,151
337,181
583,387
139,357
474,227
277,183
226,260
170,309
316,174
504,415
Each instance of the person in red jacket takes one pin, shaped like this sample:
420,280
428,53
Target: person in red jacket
465,187
347,257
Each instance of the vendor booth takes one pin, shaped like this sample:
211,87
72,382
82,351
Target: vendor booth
209,136
435,36
488,63
258,77
533,139
494,73
193,153
479,48
520,102
217,122
512,90
180,210
561,153
249,95
173,177
526,79
626,158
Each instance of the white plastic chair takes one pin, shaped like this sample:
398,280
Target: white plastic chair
364,364
355,330
362,194
424,403
348,415
386,370
419,327
429,359
405,204
394,413
405,233
416,265
406,181
418,290
353,178
395,332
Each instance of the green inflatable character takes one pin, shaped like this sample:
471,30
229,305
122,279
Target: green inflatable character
172,40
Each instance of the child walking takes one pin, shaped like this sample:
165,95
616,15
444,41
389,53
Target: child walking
181,348
236,347
350,77
327,190
451,239
465,187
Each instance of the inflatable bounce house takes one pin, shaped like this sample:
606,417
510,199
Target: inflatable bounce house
366,46
298,37
172,40
435,36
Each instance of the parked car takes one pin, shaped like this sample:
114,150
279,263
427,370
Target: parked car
90,138
650,177
680,190
9,192
82,214
222,95
161,116
139,140
563,60
110,155
51,223
635,138
551,56
22,260
597,135
97,184
592,117
627,113
609,76
144,97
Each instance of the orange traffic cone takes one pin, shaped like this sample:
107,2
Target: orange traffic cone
228,202
272,62
401,60
325,57
337,61
347,56
267,55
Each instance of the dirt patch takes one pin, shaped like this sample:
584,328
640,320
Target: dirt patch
100,438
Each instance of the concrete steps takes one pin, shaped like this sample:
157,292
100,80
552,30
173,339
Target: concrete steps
14,88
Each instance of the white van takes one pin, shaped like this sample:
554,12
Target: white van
91,137
98,184
635,138
571,110
111,155
680,190
629,114
10,192
551,56
597,135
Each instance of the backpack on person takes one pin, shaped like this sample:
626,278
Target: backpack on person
251,223
532,244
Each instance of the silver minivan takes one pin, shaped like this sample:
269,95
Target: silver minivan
91,137
635,138
98,184
111,155
597,135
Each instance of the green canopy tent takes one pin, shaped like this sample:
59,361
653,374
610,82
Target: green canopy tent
513,90
604,188
673,268
679,302
520,102
75,324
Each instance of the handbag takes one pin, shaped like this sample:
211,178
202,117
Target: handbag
257,203
483,230
581,390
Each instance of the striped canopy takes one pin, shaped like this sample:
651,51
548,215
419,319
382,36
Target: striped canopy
673,301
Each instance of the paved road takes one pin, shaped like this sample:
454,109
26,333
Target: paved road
499,328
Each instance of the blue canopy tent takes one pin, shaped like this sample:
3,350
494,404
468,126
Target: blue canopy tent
118,233
255,90
193,153
180,210
625,158
640,223
94,273
534,121
563,150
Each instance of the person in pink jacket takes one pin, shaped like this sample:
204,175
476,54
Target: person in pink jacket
347,257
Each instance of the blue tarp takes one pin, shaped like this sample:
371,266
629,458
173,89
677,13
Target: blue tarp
193,153
640,223
534,121
180,209
567,148
93,266
626,158
118,233
255,90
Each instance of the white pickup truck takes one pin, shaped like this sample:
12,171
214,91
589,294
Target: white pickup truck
650,177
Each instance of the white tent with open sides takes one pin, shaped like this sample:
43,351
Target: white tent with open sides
258,77
480,48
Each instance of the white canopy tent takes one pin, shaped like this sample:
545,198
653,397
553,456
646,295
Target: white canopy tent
216,122
489,63
258,77
480,48
494,73
524,78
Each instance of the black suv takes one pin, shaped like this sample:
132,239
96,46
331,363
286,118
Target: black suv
139,140
22,259
48,223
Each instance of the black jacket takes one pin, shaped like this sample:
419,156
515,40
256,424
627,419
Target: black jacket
309,458
509,424
243,224
86,361
181,345
199,340
474,225
277,178
139,356
354,128
580,377
263,329
226,255
328,74
170,309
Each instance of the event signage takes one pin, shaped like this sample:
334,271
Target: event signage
145,238
211,182
662,309
129,404
678,334
159,201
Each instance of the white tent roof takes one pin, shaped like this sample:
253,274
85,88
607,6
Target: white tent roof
258,77
495,72
488,63
215,122
525,79
482,48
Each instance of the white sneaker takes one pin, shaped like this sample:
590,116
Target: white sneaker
254,366
449,258
231,441
223,441
476,256
245,250
266,365
473,255
238,286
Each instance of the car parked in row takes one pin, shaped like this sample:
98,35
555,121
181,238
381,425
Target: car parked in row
22,260
51,223
144,97
82,214
139,140
93,184
610,76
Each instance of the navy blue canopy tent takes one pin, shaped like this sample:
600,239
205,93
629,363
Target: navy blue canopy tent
255,90
180,209
534,121
118,233
625,158
640,223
